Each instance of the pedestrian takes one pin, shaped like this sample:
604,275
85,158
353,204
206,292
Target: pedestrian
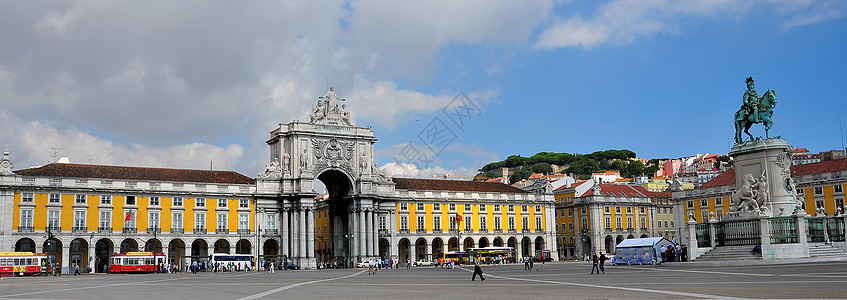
531,263
271,269
602,262
525,263
477,271
76,269
370,267
594,261
408,263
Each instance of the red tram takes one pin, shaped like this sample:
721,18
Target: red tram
22,263
142,262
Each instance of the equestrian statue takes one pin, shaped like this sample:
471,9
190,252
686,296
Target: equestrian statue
754,110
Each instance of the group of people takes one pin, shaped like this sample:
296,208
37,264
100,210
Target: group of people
674,253
598,263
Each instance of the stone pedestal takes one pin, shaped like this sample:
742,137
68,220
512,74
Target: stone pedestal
766,159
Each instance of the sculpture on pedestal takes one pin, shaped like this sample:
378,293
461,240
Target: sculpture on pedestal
327,111
272,171
744,199
755,110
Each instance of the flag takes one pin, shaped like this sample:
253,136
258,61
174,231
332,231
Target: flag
128,215
459,217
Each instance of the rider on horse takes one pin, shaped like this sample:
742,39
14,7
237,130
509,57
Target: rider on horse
751,101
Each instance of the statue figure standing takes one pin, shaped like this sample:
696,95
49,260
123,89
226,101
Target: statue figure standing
304,161
751,100
332,100
286,161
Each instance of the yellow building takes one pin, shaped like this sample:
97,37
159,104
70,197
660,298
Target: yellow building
82,214
596,217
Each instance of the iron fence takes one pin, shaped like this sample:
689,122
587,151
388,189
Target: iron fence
783,230
835,229
704,238
736,233
816,232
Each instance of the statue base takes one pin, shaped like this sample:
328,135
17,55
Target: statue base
766,160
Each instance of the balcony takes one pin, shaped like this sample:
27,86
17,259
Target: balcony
130,230
483,230
420,230
177,230
200,231
54,228
498,230
243,231
384,232
25,229
154,230
106,229
78,229
268,232
405,230
221,231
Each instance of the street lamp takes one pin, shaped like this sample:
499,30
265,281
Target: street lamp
349,238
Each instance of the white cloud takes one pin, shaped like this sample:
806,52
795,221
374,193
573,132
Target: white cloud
412,171
817,12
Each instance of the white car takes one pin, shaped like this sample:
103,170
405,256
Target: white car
363,264
423,262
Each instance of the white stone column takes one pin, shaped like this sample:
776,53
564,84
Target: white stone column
284,239
301,239
361,236
375,233
392,234
66,255
310,252
368,234
353,245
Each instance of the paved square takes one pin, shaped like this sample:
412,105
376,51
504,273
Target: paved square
552,280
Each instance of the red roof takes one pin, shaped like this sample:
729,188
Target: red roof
726,178
819,167
573,185
620,190
136,173
454,185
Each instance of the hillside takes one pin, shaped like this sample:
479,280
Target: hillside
581,165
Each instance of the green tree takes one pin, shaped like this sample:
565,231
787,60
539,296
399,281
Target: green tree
541,168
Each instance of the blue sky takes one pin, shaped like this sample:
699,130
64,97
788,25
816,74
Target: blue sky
182,85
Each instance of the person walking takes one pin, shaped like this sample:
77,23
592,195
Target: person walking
594,261
477,270
602,262
526,263
271,268
76,270
408,263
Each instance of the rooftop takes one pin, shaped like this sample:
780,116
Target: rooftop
454,185
136,173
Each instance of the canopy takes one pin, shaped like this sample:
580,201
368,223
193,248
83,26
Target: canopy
644,242
640,251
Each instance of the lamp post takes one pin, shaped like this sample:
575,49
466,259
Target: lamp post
349,238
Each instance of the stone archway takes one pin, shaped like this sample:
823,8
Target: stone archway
467,244
221,246
384,248
79,253
199,250
498,242
270,251
341,213
437,248
129,245
643,236
610,244
420,250
403,249
540,244
153,245
53,248
243,246
176,253
483,242
25,245
618,239
103,250
453,244
512,242
526,247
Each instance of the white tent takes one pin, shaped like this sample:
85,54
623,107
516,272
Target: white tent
641,251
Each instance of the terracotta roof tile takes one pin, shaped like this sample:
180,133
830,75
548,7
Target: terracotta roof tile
136,173
726,178
819,167
454,185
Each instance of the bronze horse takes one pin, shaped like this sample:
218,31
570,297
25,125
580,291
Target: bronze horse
744,120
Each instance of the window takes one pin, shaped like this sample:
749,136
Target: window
628,222
243,203
538,208
838,188
199,221
467,207
404,206
79,220
659,224
497,225
819,203
643,222
511,223
105,219
524,223
468,223
671,223
453,223
243,222
839,203
582,210
272,222
608,222
818,190
719,214
617,210
404,223
200,202
153,221
483,225
606,209
538,226
482,207
421,226
221,221
584,223
452,207
26,219
436,223
53,220
177,220
27,197
130,200
420,206
670,210
54,198
436,207
382,224
618,223
570,226
511,208
629,210
690,204
704,202
106,199
497,208
524,208
642,210
154,201
222,202
570,212
177,201
718,201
